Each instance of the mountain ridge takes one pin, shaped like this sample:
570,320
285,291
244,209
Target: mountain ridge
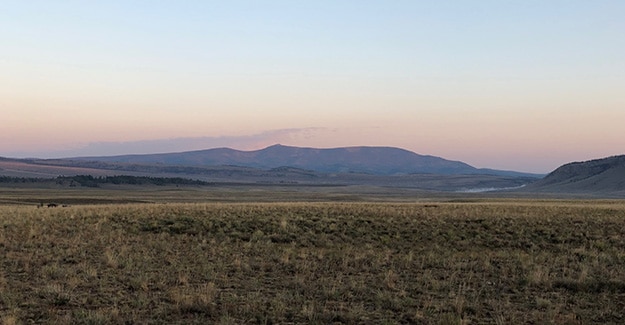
377,160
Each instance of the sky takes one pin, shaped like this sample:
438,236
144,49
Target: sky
518,85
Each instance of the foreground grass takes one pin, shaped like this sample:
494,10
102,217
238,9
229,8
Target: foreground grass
499,263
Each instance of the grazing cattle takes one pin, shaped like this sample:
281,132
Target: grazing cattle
52,205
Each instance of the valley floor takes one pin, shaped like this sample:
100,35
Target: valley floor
187,255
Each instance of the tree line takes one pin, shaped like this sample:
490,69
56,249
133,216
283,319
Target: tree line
96,181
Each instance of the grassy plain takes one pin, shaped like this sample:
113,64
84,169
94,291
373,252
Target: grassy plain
442,261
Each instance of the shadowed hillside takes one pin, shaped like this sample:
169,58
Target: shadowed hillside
599,176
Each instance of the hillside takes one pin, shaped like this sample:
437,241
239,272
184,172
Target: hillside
341,170
232,175
370,160
599,176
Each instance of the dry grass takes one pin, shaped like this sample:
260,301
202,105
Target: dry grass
495,263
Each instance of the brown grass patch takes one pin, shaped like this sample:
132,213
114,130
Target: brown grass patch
476,262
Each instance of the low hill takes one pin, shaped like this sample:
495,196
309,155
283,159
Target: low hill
248,176
370,160
604,176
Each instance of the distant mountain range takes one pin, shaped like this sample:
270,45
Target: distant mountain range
369,166
368,160
598,176
278,165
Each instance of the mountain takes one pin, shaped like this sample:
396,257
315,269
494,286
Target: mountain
279,165
42,172
369,160
600,176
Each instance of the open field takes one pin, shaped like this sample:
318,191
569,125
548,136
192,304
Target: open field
29,194
444,261
223,193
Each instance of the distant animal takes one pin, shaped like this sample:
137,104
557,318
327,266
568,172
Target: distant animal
52,205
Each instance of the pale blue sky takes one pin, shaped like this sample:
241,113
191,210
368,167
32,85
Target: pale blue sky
523,85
